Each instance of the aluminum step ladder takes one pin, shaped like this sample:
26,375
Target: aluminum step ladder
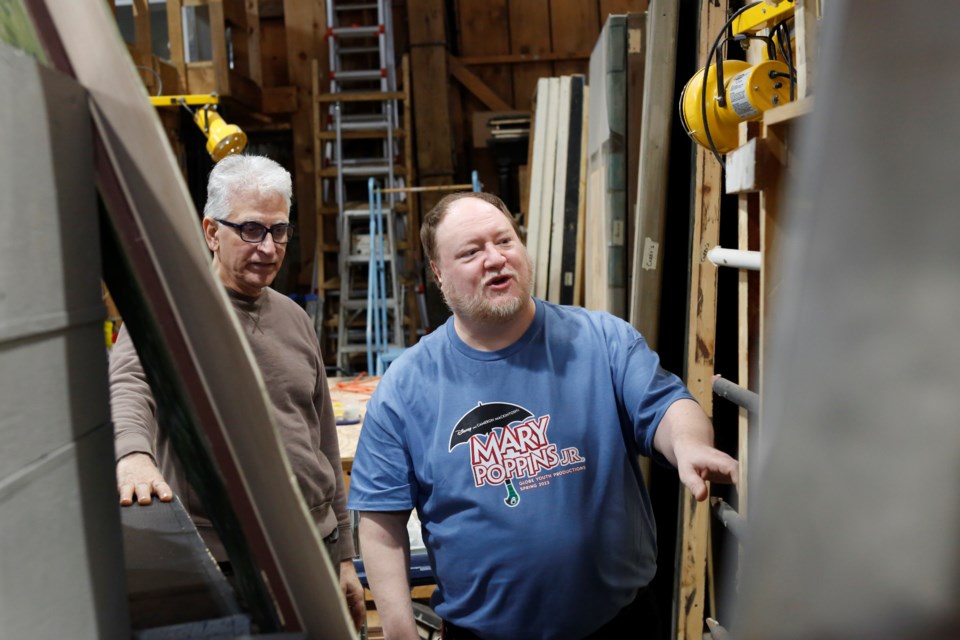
364,99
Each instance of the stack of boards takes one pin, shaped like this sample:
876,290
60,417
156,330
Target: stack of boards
557,206
598,186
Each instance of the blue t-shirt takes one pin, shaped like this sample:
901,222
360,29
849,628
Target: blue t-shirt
533,517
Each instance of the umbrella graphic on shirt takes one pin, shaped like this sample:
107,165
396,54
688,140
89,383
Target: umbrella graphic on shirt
482,420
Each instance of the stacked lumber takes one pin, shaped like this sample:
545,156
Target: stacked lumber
606,229
557,205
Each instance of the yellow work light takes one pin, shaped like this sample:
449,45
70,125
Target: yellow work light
748,91
725,93
222,139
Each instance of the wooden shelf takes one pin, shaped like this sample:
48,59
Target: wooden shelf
788,112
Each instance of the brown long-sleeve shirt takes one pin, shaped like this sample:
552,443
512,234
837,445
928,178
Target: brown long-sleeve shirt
285,347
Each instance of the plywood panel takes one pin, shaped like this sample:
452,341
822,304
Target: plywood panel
606,230
653,161
555,273
542,262
538,139
571,233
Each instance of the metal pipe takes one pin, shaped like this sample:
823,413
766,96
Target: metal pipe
730,519
721,257
717,632
736,394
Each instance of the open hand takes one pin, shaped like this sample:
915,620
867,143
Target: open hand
137,474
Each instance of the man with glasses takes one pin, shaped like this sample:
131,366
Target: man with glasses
247,226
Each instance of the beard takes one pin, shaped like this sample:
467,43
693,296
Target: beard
479,306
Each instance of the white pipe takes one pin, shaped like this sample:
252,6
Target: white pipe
735,258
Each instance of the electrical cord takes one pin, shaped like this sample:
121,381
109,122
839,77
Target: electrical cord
155,75
783,40
720,88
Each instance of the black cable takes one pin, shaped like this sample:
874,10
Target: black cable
782,34
720,87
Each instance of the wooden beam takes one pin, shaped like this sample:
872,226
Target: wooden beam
525,58
476,86
701,347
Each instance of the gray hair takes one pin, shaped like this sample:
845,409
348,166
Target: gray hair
238,173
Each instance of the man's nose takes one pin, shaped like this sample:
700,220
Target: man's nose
493,257
267,245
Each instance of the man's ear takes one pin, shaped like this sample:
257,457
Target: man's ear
436,272
210,227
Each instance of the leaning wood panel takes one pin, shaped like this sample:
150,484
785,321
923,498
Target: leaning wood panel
538,135
606,237
695,519
153,219
555,273
652,166
571,227
542,264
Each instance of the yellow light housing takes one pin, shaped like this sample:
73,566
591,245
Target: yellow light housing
222,139
749,90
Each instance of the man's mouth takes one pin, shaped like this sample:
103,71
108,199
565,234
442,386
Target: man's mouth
498,281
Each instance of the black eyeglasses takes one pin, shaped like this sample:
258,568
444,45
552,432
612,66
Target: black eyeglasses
254,232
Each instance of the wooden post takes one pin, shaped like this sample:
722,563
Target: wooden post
701,329
305,23
431,107
175,32
218,46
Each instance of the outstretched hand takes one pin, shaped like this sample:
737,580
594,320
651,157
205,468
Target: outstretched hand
699,463
137,474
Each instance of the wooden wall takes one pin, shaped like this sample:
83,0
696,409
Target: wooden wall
508,45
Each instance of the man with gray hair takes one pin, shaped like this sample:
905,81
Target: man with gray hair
247,226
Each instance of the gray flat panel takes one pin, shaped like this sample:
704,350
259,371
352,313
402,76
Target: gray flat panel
60,548
61,570
856,530
197,344
48,224
53,391
171,577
